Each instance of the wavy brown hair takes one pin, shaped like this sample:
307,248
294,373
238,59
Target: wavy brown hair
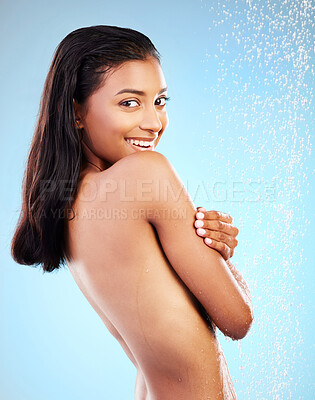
80,64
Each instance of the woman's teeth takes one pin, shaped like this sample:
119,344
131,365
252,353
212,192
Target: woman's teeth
140,143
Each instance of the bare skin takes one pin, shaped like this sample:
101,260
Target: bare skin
153,282
145,305
129,281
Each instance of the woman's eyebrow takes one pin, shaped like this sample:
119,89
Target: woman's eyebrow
139,92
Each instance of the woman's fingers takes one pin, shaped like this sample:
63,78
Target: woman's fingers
219,236
215,215
216,225
222,248
218,231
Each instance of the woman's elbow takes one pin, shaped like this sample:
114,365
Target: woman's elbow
242,326
237,328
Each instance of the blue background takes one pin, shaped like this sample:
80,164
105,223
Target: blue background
241,78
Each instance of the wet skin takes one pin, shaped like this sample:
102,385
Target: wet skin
124,266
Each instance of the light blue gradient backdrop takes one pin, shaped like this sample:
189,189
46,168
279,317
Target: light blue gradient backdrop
240,77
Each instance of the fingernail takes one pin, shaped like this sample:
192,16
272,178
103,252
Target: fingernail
201,231
200,215
198,223
208,241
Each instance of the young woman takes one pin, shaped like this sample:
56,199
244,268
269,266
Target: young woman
98,197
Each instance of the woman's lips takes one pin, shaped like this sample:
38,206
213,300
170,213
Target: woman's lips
138,148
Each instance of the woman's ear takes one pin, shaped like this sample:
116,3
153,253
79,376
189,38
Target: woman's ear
78,111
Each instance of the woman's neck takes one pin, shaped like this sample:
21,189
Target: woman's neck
90,160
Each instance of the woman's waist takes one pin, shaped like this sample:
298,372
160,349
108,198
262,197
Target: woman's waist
189,376
173,342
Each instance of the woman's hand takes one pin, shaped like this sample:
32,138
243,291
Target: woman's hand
218,231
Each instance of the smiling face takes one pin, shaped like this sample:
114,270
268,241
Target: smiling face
130,105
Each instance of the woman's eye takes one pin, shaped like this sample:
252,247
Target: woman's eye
163,101
133,103
128,102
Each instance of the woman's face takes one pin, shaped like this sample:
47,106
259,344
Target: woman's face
130,105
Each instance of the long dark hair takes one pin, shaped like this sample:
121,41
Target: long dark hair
79,66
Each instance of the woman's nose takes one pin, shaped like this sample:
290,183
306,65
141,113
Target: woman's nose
151,120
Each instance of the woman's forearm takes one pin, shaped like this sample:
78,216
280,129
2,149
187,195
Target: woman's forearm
241,282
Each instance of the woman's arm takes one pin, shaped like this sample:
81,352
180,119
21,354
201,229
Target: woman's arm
241,282
218,226
168,207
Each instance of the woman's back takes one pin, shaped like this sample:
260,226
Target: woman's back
120,266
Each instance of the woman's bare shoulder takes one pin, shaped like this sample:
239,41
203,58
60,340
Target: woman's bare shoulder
132,177
141,162
136,171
